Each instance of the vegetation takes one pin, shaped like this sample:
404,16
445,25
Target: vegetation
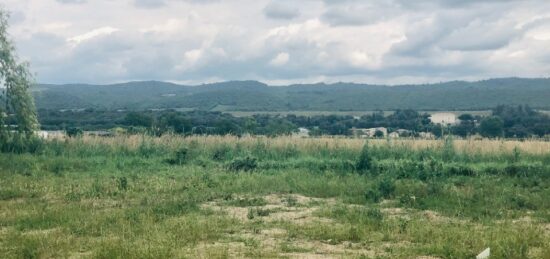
505,121
17,113
122,197
255,96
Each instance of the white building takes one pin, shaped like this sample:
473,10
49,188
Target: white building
50,134
369,133
302,132
444,118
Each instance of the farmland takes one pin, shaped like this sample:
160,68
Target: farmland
223,196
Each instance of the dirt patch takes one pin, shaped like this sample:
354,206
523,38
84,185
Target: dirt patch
294,208
318,249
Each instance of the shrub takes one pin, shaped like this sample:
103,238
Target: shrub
459,169
180,157
221,152
246,164
74,132
386,188
253,212
364,163
372,195
375,214
20,143
122,183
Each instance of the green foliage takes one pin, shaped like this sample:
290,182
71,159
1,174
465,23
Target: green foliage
364,162
74,132
255,96
128,204
491,127
373,195
138,119
247,163
122,183
180,157
18,120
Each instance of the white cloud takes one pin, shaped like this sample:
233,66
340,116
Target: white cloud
92,34
280,60
281,10
103,41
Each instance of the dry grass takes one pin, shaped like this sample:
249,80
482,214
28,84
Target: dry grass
483,146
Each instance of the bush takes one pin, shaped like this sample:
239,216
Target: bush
364,163
459,169
74,132
373,196
122,183
221,153
20,143
246,164
386,188
180,157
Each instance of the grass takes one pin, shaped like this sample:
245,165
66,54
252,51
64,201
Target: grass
217,197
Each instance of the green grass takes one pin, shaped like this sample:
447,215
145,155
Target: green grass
75,198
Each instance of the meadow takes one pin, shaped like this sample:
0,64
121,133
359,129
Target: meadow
252,197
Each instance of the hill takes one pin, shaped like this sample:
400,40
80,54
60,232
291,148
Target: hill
256,96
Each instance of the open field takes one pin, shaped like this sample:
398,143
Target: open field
219,197
341,113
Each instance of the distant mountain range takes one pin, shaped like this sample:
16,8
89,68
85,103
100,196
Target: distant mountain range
256,96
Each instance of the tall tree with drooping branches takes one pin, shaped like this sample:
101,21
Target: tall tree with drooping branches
17,110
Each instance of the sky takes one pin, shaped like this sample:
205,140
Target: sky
281,41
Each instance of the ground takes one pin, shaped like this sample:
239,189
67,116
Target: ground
213,197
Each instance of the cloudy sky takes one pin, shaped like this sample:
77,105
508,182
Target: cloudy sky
281,41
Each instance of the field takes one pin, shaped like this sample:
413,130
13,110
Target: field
341,113
219,197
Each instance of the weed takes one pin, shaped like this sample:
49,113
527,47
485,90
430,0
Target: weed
180,157
122,183
246,164
364,162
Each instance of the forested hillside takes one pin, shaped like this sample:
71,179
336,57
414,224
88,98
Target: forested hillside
256,96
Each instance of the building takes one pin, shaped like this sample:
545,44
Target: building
369,133
302,132
51,134
444,118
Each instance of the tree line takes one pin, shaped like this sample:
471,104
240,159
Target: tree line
504,121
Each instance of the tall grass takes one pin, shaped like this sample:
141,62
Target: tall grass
142,196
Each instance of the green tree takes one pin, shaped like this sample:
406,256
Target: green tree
491,127
138,119
18,119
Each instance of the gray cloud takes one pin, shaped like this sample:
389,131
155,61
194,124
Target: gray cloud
281,10
350,40
354,15
153,4
149,3
72,1
16,17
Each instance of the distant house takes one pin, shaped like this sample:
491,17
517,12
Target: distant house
426,135
50,134
369,133
400,133
444,118
302,132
